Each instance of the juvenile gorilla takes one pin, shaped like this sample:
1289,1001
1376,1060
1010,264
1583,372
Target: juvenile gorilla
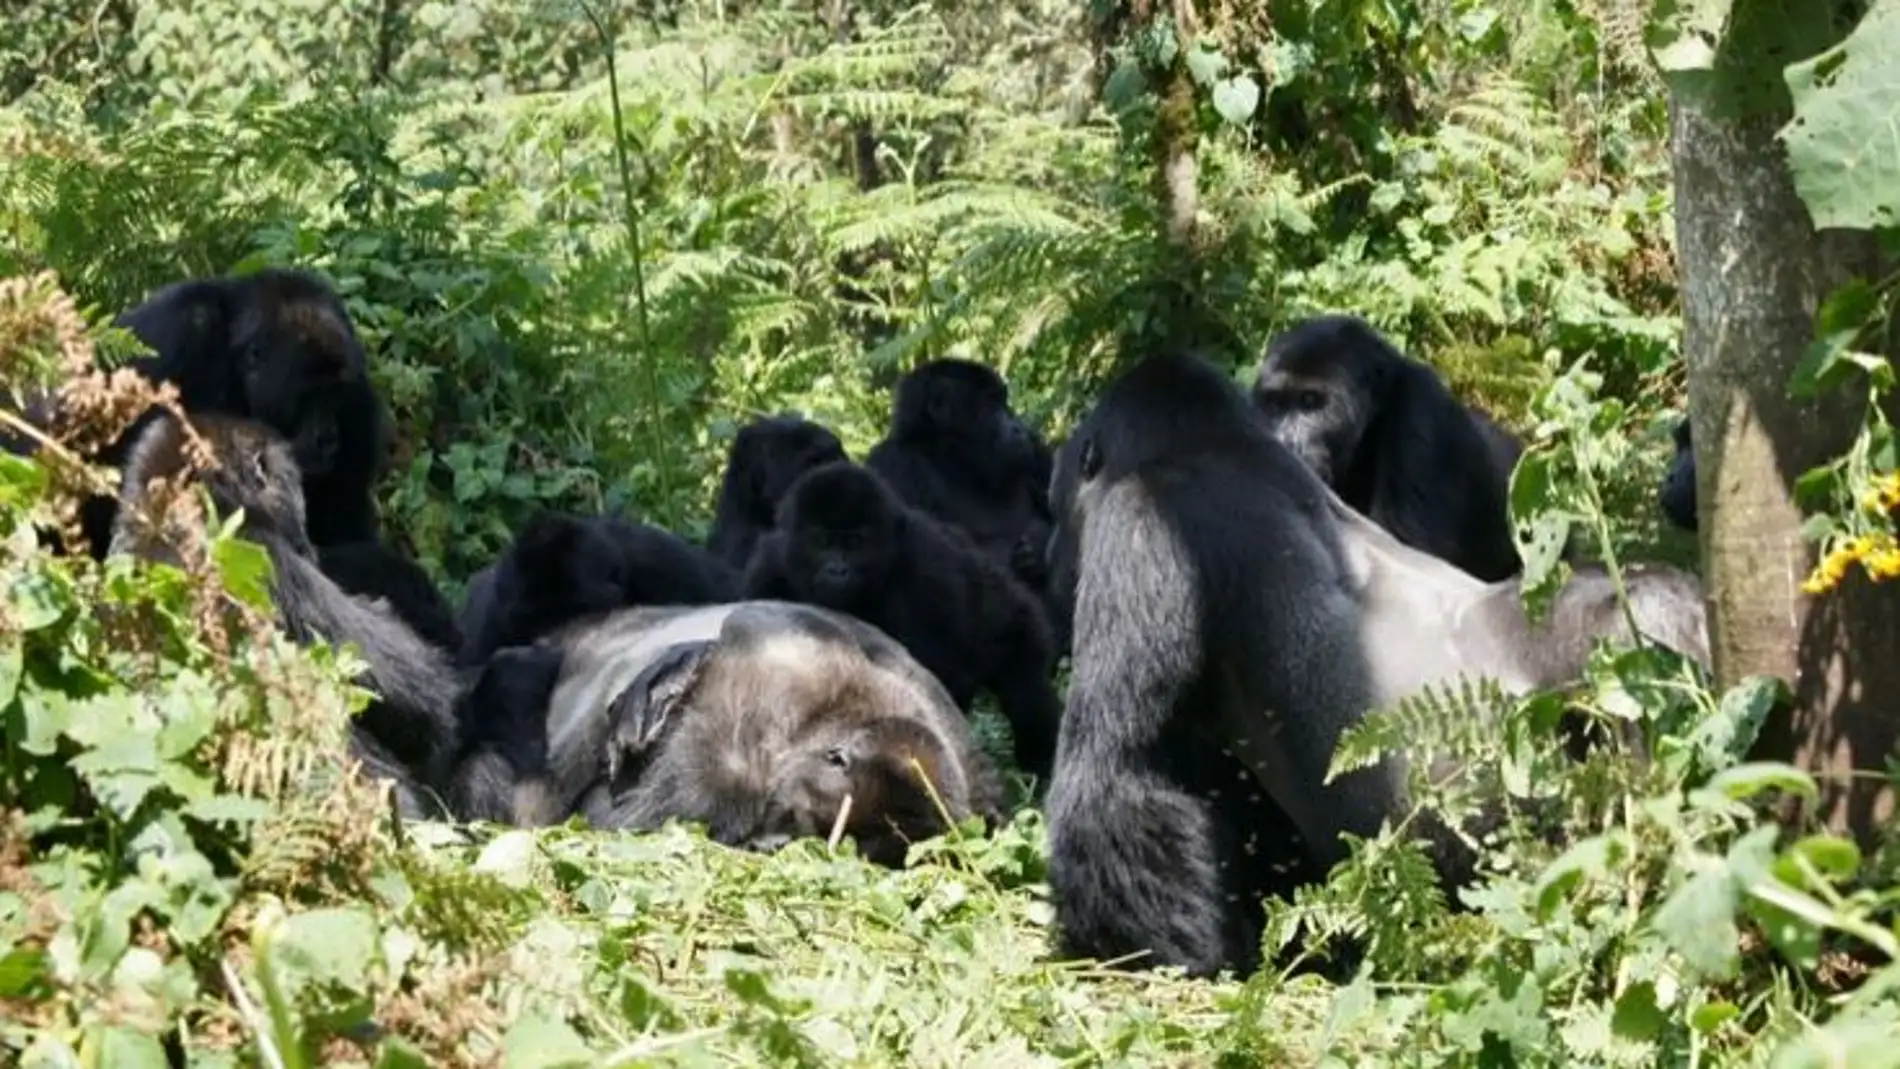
276,347
1677,494
410,734
845,542
1384,432
767,456
764,721
563,567
371,569
957,453
1229,606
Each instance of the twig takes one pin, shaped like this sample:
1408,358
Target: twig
267,1050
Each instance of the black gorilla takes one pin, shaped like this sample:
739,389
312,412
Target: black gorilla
1677,494
844,541
411,733
1229,607
957,453
373,570
764,721
1387,435
276,347
563,567
767,456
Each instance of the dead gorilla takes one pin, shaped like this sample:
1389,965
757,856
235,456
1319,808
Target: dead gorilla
1383,431
410,733
767,456
1228,602
763,721
844,541
276,347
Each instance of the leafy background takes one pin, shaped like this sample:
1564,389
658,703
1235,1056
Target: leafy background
572,306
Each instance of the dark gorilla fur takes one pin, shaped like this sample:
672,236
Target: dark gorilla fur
1387,435
767,456
1229,605
410,733
958,453
562,567
371,569
277,347
845,542
1677,494
760,720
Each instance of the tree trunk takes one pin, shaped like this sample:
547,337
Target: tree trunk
1753,272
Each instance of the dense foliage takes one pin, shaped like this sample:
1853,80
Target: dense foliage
572,304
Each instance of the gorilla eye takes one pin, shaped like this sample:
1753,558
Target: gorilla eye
1091,459
1310,400
837,758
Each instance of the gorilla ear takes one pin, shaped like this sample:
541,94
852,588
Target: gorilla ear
639,714
1091,462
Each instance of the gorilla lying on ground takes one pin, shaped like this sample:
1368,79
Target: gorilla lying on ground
276,347
409,734
958,454
1677,494
764,721
563,567
767,456
1227,602
845,542
1384,432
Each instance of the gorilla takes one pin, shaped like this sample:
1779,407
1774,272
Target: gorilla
844,541
410,734
766,456
763,721
957,453
370,569
276,347
562,567
1386,434
1677,494
1229,604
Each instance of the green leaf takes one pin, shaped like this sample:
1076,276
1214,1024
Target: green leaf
1708,1018
535,1042
509,857
1236,98
1698,921
122,1046
1684,34
1590,859
1205,63
1840,141
324,947
397,1053
1637,1016
1747,780
1835,858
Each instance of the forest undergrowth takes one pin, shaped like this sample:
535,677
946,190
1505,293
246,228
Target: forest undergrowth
572,308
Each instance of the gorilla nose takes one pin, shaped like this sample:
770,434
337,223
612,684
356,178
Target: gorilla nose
767,843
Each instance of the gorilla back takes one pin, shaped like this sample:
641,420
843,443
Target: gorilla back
1230,606
764,721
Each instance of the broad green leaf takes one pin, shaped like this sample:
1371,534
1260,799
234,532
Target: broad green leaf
12,666
536,1042
1684,34
1748,780
1637,1015
509,857
1859,1044
1712,1016
323,947
1236,98
1697,920
1846,115
1205,63
1590,859
122,1047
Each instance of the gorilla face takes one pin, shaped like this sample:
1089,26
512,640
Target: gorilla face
1320,418
843,530
299,361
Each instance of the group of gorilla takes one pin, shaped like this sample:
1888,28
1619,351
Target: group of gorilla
1235,578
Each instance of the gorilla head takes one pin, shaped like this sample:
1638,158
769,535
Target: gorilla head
961,408
843,531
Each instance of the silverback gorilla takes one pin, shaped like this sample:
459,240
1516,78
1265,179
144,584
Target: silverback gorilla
1386,434
1226,601
764,721
409,734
